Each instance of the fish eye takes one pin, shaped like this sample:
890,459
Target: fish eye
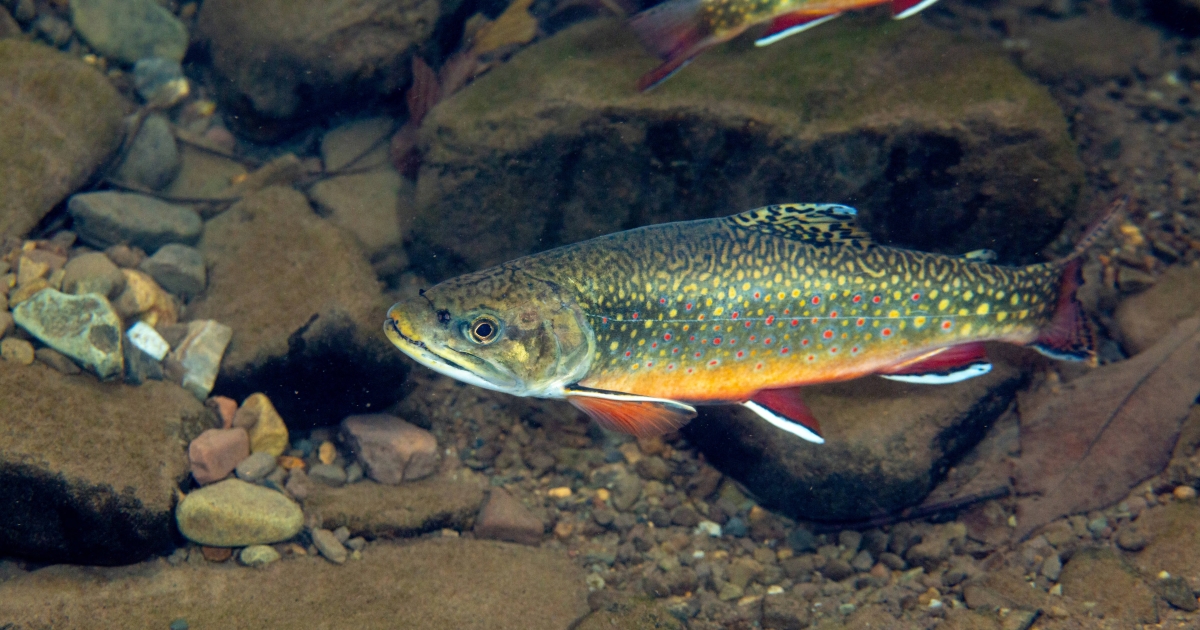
484,330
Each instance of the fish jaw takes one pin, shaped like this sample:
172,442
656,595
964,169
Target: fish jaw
400,330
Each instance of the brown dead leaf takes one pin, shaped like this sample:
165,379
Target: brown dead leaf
1088,445
514,27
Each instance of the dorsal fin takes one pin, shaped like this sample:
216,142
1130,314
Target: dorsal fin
981,255
816,223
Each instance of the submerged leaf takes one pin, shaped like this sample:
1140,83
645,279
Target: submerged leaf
514,27
1090,444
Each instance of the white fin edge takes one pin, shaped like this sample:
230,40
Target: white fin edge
594,393
915,9
969,372
783,423
799,28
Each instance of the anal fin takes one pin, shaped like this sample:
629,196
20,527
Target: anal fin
642,416
791,23
784,409
907,8
943,365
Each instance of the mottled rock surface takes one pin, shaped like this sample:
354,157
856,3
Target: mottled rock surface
940,142
234,513
88,470
59,119
83,327
279,58
372,509
439,583
887,444
305,307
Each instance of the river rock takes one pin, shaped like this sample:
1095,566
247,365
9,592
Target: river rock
446,583
953,151
306,307
268,433
353,141
233,513
329,546
216,452
505,518
16,351
200,355
57,360
367,205
59,120
376,510
258,556
153,158
128,30
1144,318
88,470
279,58
103,219
177,268
83,327
390,449
886,444
256,466
92,272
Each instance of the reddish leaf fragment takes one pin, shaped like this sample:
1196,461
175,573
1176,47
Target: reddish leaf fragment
424,93
1087,446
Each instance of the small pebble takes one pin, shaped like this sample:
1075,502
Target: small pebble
179,624
256,466
328,474
329,546
57,360
1097,525
358,543
258,555
342,534
1185,493
16,350
327,452
736,527
561,492
216,554
354,473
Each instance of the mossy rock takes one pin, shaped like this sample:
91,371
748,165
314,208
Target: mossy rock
940,141
59,120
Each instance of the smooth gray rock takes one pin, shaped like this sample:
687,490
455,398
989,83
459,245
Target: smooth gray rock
152,74
329,546
83,327
178,269
92,272
200,354
258,556
129,30
153,158
328,474
233,513
103,219
255,467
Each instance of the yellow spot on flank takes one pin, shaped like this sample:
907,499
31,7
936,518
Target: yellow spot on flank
983,309
717,312
708,302
778,277
672,313
641,342
893,313
1022,314
896,295
746,286
943,305
968,295
1016,299
795,293
1000,316
649,324
919,322
612,346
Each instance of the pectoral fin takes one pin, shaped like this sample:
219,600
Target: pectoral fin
784,409
642,416
943,365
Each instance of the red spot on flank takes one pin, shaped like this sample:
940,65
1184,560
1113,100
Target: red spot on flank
833,314
688,307
767,341
654,345
748,324
886,332
786,311
860,322
876,299
713,362
833,350
662,300
732,341
916,296
946,325
675,351
757,295
734,315
740,354
635,315
816,319
701,316
816,299
828,334
770,319
649,364
795,322
697,355
854,350
603,320
783,351
752,337
804,342
811,358
716,328
667,337
857,298
703,341
689,370
692,338
628,354
671,366
716,341
758,367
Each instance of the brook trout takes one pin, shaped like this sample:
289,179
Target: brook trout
637,328
677,31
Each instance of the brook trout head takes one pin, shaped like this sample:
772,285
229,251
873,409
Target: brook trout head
501,329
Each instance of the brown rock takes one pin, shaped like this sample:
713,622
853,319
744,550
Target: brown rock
103,459
1173,540
1148,316
390,449
17,351
216,452
787,611
53,136
410,509
225,407
57,360
1099,575
447,583
505,518
1089,49
306,308
216,554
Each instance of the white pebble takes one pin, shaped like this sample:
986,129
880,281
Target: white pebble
707,527
148,340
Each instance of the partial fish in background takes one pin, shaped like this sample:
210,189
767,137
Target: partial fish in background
679,30
639,327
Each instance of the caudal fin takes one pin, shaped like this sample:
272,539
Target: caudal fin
1100,227
1069,337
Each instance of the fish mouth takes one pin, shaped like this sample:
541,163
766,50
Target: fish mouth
458,365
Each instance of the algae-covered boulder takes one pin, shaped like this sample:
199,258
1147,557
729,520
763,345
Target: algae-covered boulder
939,141
59,119
887,444
89,470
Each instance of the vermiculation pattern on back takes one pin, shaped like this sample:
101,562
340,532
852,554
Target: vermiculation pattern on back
746,300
